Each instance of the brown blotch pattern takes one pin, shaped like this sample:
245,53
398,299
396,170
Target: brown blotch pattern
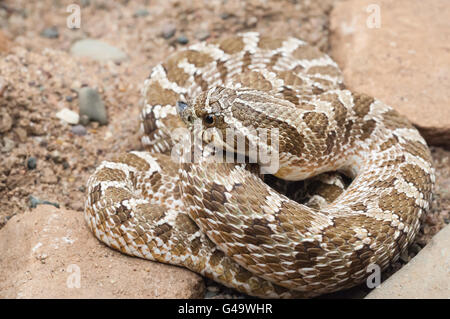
418,177
156,95
400,204
253,80
362,104
317,122
393,120
231,45
306,52
417,149
110,174
269,43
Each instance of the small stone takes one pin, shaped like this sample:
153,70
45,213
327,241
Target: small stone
48,176
168,31
56,156
68,116
21,134
97,50
92,106
202,35
33,202
141,13
84,120
5,121
69,98
79,130
31,163
8,145
51,33
36,130
251,22
182,39
225,15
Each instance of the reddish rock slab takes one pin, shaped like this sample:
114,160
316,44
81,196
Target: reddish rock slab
50,253
401,56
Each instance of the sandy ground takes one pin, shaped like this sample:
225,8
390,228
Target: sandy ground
39,78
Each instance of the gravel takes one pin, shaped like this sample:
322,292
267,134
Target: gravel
168,31
91,105
31,163
182,39
97,50
51,33
79,130
68,116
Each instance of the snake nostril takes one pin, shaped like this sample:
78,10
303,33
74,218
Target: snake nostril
181,106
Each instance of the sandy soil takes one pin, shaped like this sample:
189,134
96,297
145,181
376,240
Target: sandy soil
38,77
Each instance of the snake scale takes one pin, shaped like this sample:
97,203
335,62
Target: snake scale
222,220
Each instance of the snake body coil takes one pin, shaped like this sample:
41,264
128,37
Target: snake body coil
220,219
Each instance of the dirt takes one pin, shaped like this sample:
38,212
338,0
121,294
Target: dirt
39,77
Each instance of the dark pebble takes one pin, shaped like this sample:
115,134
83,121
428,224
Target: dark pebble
51,33
141,13
69,98
33,202
225,15
182,39
79,130
32,163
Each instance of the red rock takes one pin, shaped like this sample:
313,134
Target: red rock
44,252
405,62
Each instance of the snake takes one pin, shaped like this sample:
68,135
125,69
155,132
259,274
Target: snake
221,218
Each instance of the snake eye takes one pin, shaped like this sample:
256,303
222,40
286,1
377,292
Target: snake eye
209,120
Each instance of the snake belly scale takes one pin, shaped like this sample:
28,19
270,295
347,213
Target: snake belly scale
222,220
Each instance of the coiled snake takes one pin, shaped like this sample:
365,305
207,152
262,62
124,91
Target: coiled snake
222,220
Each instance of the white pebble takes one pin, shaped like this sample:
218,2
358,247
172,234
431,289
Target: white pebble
68,116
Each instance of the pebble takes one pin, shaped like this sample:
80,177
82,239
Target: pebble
182,39
56,156
21,134
79,130
84,120
33,202
202,35
8,145
5,121
92,106
251,22
31,163
48,176
51,33
141,13
97,50
168,31
68,116
225,15
69,98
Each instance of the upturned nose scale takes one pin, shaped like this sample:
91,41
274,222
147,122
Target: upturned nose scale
181,107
